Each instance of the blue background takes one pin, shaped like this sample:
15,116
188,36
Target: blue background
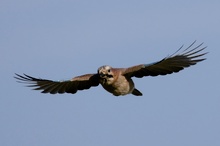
61,39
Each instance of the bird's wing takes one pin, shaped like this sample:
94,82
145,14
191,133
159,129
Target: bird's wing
53,87
168,65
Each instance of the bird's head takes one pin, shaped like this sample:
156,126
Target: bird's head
106,74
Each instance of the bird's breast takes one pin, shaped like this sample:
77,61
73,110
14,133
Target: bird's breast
121,86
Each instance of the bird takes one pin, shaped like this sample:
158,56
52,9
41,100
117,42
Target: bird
118,81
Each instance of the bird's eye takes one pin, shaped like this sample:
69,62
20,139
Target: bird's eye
109,70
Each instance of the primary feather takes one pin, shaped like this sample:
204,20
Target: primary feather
171,64
53,87
118,80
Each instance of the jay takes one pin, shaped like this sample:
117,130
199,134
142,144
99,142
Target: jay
118,81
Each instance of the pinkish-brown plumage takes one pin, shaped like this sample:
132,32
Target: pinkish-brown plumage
118,81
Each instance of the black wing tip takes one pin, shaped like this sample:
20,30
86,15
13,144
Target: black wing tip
20,77
24,77
191,54
192,44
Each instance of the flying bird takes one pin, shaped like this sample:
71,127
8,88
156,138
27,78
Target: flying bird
118,81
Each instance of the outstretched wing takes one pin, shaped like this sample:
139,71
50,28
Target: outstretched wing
53,87
168,65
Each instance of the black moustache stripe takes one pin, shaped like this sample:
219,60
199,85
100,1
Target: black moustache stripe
106,75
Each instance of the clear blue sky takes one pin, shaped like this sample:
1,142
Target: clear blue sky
61,39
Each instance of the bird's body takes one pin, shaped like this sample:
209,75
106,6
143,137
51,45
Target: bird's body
118,81
119,85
